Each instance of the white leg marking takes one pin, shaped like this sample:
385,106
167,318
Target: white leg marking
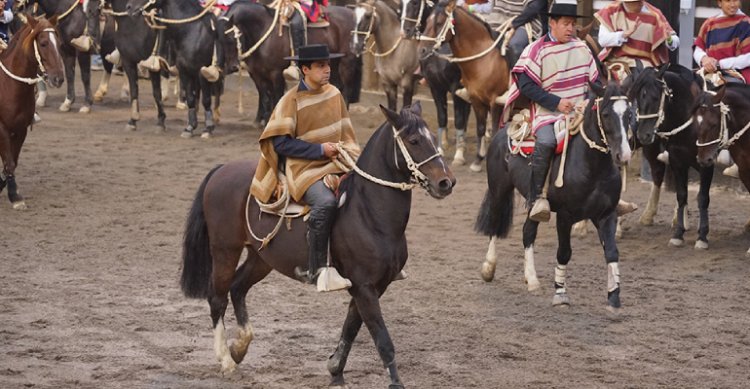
613,276
221,349
488,267
529,271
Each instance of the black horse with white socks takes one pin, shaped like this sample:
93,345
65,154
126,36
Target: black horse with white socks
590,190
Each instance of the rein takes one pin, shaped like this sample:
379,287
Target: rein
449,26
666,93
723,139
30,81
418,178
368,33
152,19
418,21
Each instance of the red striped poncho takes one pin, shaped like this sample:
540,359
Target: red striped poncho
563,69
312,9
647,43
725,37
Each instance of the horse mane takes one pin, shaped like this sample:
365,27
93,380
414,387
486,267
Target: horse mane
24,37
490,30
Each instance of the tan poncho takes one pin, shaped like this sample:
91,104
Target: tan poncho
314,116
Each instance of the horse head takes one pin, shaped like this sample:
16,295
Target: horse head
41,43
136,7
417,154
414,16
707,113
229,38
438,28
610,112
364,24
649,92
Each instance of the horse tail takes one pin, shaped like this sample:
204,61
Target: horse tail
196,253
496,212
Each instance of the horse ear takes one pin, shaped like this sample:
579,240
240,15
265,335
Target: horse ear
583,31
391,116
639,65
719,94
416,108
53,21
598,90
662,69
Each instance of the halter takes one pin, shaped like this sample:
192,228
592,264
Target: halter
418,21
31,81
440,38
592,144
417,177
723,139
665,92
367,33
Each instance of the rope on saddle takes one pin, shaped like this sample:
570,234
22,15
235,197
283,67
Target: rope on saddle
152,18
262,39
66,13
284,198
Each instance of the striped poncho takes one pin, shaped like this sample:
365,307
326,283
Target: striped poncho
647,42
724,37
562,69
316,116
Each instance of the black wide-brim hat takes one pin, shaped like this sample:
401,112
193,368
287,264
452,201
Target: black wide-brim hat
313,53
565,8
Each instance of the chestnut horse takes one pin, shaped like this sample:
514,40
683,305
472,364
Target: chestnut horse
723,123
484,71
368,245
32,56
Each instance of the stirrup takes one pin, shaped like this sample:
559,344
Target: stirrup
211,73
330,280
463,93
540,211
732,171
624,207
291,73
113,57
82,43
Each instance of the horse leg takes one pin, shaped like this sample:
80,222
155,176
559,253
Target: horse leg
461,112
84,61
189,84
606,227
658,169
368,304
101,91
131,71
208,114
530,228
704,199
391,94
337,360
225,261
681,181
480,114
157,92
69,61
407,86
564,252
248,274
217,89
9,149
441,106
41,99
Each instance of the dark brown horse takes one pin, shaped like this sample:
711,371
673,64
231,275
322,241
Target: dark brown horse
263,51
723,123
485,76
368,245
32,56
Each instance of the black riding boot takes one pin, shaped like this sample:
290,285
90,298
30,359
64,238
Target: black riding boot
540,162
318,233
297,31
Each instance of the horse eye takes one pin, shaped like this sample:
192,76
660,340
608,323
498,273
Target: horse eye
413,140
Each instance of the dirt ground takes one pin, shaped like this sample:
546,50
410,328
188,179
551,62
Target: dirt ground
89,293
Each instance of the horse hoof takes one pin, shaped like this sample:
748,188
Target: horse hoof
532,285
488,271
561,300
20,205
85,109
646,220
227,366
99,96
206,135
701,244
65,106
476,167
458,162
674,242
187,134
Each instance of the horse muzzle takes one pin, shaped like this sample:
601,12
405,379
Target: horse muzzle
54,81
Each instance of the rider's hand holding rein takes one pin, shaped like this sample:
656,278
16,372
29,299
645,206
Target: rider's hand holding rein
330,150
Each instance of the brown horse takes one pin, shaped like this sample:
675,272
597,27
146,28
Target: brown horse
368,245
723,123
263,51
486,76
32,56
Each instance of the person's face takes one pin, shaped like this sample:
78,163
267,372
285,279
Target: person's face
563,29
318,74
633,6
730,7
